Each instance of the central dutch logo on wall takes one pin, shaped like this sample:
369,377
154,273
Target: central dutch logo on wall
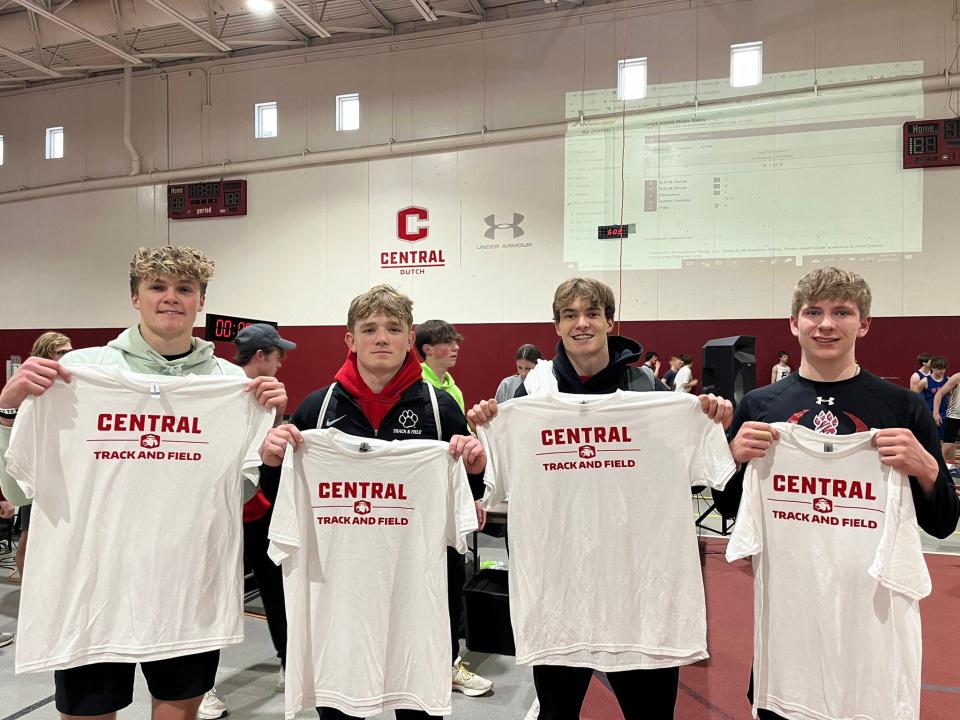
412,224
412,227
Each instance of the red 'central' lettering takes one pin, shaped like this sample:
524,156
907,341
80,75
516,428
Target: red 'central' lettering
585,435
363,489
123,422
834,487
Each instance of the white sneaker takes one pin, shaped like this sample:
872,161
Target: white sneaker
212,707
6,639
469,683
281,680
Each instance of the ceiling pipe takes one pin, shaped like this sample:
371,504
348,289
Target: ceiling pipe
127,135
929,84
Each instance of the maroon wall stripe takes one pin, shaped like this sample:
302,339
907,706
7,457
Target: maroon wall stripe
488,349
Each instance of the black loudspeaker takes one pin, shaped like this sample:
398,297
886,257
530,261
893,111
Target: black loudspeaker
487,603
730,367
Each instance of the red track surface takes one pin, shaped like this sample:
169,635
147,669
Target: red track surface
716,689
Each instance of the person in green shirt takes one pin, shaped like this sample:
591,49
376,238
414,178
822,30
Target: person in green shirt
438,344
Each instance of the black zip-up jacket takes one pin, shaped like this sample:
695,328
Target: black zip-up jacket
617,375
410,419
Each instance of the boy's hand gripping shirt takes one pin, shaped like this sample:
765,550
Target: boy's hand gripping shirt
135,533
838,572
361,528
604,566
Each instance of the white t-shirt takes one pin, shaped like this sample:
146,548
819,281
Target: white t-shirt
953,406
135,535
838,571
683,376
362,538
604,565
781,371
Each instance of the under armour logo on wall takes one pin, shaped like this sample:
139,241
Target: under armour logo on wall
824,401
493,226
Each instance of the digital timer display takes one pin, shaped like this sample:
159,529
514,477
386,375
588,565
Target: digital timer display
613,232
225,328
224,198
931,143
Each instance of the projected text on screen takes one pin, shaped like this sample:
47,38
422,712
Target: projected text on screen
805,174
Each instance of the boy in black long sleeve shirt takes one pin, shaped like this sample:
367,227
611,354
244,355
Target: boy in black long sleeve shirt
833,395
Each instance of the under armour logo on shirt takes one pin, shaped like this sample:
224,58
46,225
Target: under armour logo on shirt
824,401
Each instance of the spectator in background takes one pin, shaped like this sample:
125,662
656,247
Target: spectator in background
670,375
781,369
260,352
652,361
951,426
52,346
684,380
923,360
438,344
527,356
929,386
6,512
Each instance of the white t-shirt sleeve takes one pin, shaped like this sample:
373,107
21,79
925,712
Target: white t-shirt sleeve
898,563
711,463
747,537
22,455
493,476
461,511
284,533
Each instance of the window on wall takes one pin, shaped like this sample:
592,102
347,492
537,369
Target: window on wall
266,119
348,112
746,64
54,143
632,79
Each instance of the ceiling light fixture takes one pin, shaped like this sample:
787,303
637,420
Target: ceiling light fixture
260,7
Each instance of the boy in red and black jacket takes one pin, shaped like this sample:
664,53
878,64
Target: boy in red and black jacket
379,393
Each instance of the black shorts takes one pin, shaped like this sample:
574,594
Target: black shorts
104,688
25,517
950,430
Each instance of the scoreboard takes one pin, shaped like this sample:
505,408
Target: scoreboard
221,198
931,143
225,328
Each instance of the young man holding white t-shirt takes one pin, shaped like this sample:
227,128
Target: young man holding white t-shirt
833,395
380,393
168,288
590,360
